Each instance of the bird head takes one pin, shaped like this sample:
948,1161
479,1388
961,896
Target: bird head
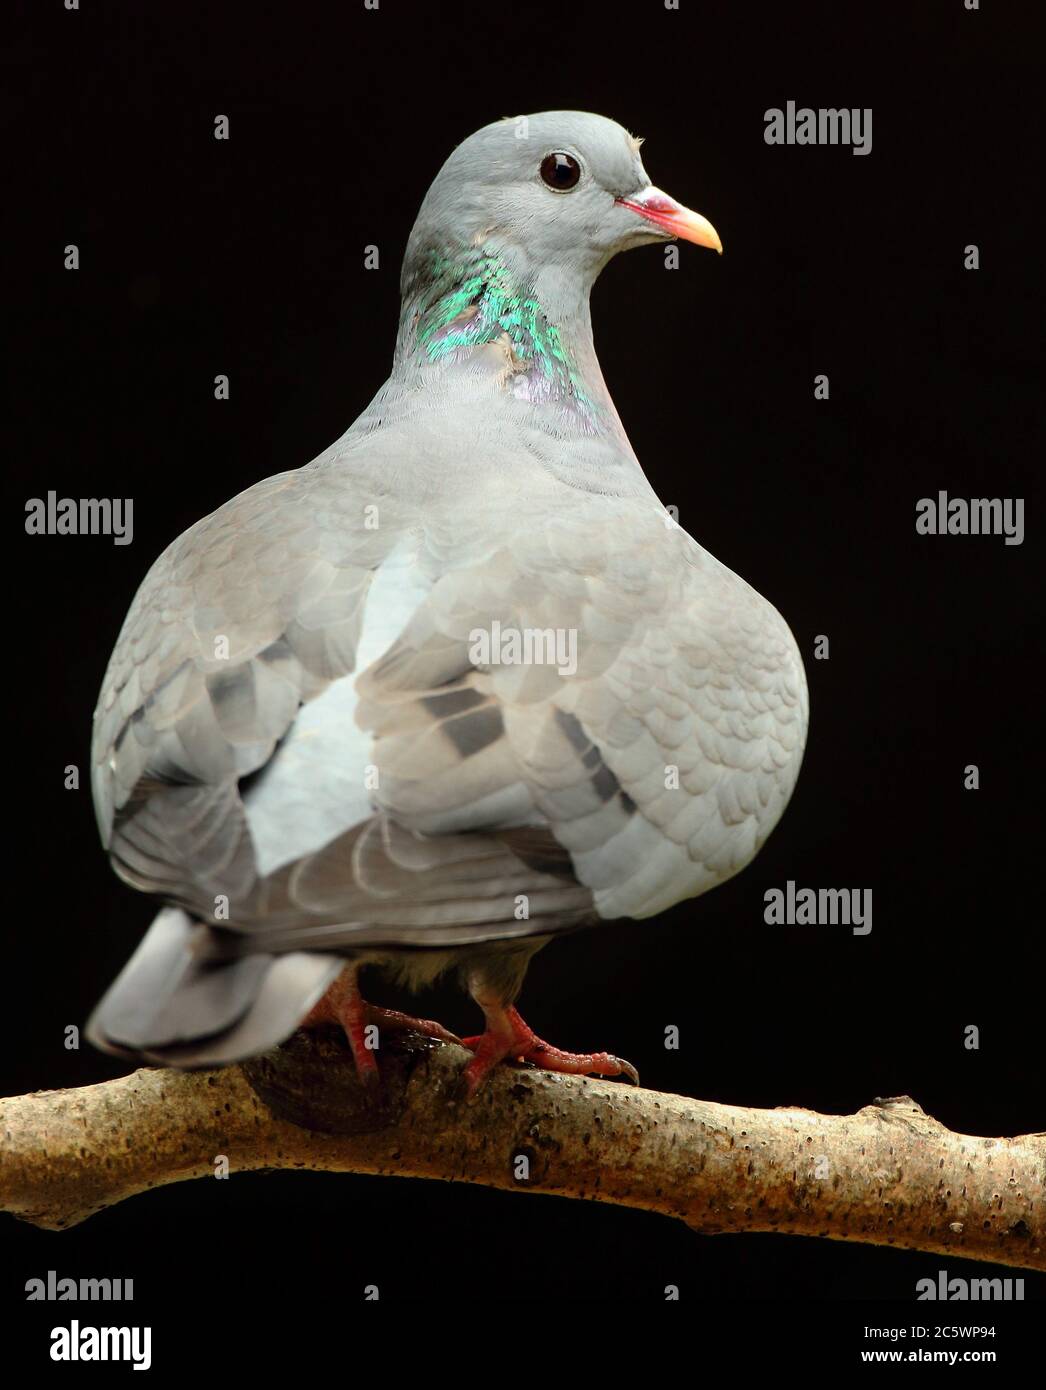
561,190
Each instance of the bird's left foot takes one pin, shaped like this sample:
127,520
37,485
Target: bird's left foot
509,1038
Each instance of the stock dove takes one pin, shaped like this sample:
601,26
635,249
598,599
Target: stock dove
458,685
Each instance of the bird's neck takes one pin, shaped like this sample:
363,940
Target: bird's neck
458,301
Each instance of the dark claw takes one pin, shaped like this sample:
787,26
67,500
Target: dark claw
628,1069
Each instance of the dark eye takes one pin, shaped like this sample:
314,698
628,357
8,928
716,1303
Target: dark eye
560,171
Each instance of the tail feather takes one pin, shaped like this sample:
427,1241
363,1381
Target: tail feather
171,1005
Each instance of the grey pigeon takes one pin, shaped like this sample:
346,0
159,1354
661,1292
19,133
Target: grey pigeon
457,686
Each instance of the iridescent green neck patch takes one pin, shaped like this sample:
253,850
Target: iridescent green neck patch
475,300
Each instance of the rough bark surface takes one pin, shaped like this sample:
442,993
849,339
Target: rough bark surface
888,1175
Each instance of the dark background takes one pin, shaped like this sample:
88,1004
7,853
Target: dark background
246,257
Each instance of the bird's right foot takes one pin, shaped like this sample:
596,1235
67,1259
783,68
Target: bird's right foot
344,1005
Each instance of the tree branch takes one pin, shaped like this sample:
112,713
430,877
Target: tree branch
889,1175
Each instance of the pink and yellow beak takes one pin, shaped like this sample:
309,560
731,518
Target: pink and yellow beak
674,218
